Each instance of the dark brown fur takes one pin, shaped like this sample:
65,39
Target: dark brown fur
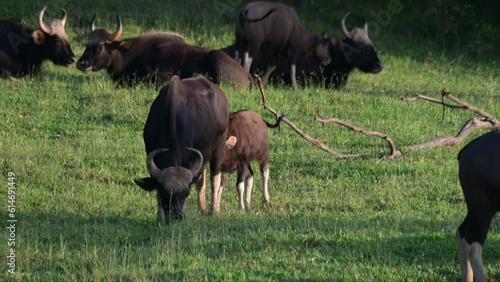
275,28
191,113
158,54
250,130
479,174
23,49
355,52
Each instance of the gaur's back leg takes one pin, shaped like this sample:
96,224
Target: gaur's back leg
249,186
264,172
240,184
472,233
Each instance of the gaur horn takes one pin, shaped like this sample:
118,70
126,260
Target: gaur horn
118,32
198,163
41,25
365,24
92,23
64,17
150,163
344,29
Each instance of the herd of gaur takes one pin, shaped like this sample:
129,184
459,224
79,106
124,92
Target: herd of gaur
189,124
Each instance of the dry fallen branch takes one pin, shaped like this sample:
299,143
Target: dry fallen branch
477,110
430,99
394,152
442,141
294,127
486,122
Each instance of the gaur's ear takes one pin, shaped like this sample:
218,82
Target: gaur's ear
38,37
231,142
335,41
126,45
148,184
196,179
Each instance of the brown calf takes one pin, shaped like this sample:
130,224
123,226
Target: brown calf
248,142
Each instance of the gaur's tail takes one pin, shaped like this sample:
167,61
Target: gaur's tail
277,124
242,17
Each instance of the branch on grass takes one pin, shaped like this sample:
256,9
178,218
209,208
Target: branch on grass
486,122
430,99
447,94
298,130
394,152
442,141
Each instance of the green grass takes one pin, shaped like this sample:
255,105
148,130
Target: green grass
74,142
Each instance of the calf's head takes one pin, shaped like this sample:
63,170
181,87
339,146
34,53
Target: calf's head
358,49
172,183
54,40
98,53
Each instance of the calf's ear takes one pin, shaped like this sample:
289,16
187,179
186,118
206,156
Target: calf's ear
231,142
148,184
38,37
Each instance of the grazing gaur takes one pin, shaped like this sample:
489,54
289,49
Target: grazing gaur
185,130
156,55
23,49
248,141
275,28
479,174
355,51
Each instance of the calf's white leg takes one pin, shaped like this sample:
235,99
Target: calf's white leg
265,180
249,186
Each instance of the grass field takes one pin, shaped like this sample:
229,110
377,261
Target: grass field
74,143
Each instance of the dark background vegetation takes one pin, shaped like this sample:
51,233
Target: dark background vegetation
459,26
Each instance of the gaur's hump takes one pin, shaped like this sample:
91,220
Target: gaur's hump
163,34
14,25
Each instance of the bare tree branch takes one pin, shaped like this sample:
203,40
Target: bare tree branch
477,110
300,132
442,141
430,99
487,122
394,152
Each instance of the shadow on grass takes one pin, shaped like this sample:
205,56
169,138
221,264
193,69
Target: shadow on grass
284,241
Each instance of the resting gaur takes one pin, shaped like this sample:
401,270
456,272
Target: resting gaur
23,49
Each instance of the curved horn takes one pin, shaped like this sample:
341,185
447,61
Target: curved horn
41,25
64,17
365,24
92,23
344,29
198,163
150,163
118,32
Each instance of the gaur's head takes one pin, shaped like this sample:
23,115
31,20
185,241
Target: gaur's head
102,42
358,48
321,52
54,40
172,183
